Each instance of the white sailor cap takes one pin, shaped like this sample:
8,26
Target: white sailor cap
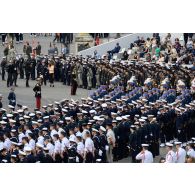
57,103
92,112
145,145
177,109
45,117
3,122
93,129
20,111
34,122
32,114
22,153
150,116
13,130
141,120
169,144
39,120
113,113
13,156
12,121
78,134
143,117
102,128
104,105
114,121
84,111
71,105
9,115
10,106
177,143
64,110
137,115
26,117
3,109
124,117
24,107
133,102
119,118
38,112
96,118
100,119
39,145
67,118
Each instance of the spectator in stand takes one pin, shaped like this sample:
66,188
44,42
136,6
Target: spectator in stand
115,50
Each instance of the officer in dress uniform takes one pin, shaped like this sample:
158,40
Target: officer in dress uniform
145,155
27,65
170,156
47,156
72,151
180,153
12,97
37,90
10,70
40,157
96,141
103,144
30,158
3,67
80,147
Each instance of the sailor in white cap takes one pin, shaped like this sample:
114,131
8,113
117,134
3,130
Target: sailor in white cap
170,156
180,153
65,143
145,155
49,145
7,142
57,149
89,148
80,148
190,149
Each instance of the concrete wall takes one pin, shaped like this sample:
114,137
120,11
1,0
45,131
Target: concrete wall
123,41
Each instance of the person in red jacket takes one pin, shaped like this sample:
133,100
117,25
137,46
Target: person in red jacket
97,40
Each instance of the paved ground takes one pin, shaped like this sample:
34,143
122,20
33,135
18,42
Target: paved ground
25,96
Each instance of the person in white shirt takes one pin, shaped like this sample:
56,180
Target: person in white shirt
111,142
89,148
7,142
49,145
52,130
20,135
64,146
180,153
170,156
80,147
145,156
72,135
57,149
31,141
190,150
